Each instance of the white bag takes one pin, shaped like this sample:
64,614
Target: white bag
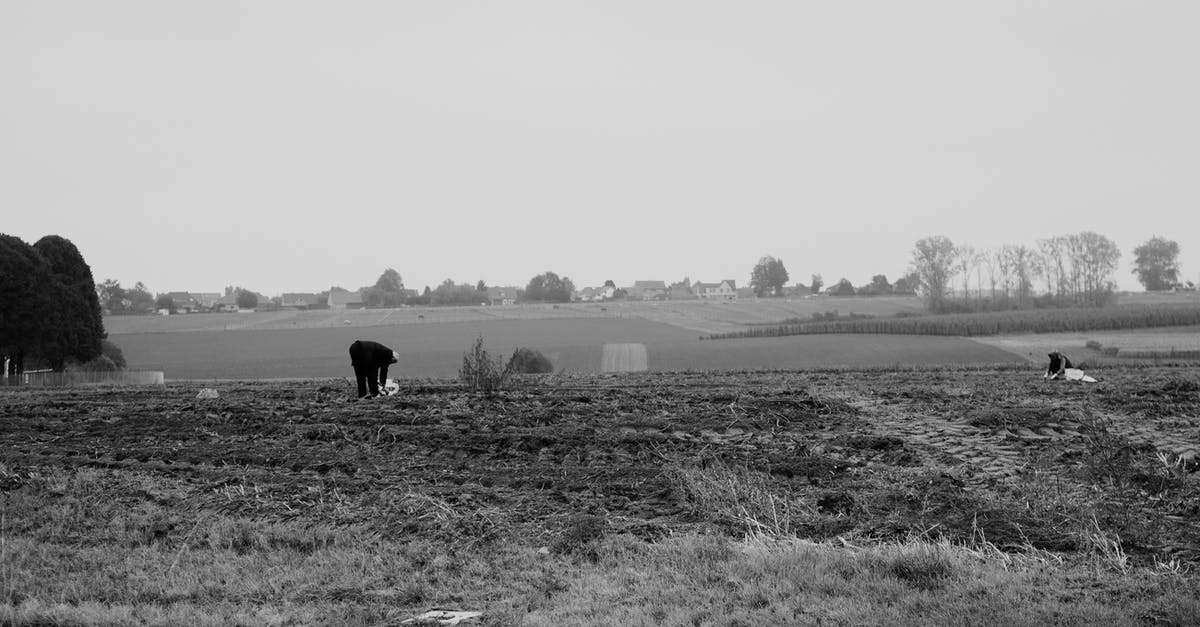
1075,374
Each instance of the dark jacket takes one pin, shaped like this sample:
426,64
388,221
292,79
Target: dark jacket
368,354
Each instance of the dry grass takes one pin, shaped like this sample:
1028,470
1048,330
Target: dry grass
111,547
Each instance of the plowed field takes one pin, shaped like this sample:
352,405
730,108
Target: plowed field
968,455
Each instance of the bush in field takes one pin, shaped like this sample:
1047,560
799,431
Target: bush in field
529,361
480,372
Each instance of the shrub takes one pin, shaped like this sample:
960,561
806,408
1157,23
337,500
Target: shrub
1094,345
480,372
529,361
113,353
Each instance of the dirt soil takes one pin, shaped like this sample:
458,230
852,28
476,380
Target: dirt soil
975,455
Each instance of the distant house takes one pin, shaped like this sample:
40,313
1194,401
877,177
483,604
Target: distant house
502,295
227,302
649,290
586,294
724,290
344,299
300,300
206,300
184,302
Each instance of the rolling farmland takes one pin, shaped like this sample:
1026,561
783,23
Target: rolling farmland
305,344
573,344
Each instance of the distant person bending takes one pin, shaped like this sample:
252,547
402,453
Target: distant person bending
1058,366
371,361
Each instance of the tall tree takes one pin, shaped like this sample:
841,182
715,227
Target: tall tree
79,326
1156,263
390,282
1096,263
768,277
933,262
1019,260
25,305
112,295
246,299
966,258
817,284
83,324
140,299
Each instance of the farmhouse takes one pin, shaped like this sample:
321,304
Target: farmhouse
227,302
184,302
502,295
725,290
345,299
589,294
206,300
649,290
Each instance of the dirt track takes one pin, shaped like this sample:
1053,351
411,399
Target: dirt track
876,454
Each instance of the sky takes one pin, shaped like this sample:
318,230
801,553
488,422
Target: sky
290,146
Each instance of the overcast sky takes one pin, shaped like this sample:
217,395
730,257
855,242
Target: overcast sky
291,146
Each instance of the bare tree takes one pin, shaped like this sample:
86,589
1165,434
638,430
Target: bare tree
1005,270
965,260
1018,260
933,261
1054,261
987,260
1098,262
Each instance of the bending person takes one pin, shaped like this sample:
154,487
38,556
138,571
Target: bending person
371,361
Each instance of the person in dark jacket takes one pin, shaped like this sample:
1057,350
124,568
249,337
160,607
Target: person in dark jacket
371,361
1058,366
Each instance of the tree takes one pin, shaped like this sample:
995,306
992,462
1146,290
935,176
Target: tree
246,299
1019,263
1054,264
933,262
1156,264
80,325
549,287
907,284
140,299
817,284
768,277
164,301
1096,261
111,295
966,259
25,306
842,288
390,282
481,286
449,293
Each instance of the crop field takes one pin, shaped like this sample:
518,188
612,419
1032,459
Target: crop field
948,496
572,345
695,315
427,349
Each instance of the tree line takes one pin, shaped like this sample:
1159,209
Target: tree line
1060,271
